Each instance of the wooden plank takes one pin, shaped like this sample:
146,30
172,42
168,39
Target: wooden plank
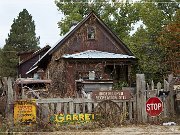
77,108
148,91
170,78
62,100
65,108
158,87
138,97
54,100
52,108
39,116
134,110
95,104
71,107
45,112
152,85
10,99
124,108
58,108
23,94
130,110
84,105
172,107
166,85
143,100
89,107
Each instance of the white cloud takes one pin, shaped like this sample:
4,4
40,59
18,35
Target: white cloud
44,13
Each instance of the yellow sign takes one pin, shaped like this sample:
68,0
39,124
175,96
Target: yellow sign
25,111
71,118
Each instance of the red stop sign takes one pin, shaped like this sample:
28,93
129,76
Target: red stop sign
154,106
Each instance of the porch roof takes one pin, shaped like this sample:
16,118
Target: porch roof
94,54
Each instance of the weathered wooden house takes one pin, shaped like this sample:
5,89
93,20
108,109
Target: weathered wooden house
89,56
27,60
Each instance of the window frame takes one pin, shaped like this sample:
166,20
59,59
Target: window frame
91,30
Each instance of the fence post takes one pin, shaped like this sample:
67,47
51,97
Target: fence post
171,95
165,99
141,98
158,87
10,99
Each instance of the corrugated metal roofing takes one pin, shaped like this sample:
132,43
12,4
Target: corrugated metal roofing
93,54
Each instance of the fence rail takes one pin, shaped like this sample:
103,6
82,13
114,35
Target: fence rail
135,108
52,106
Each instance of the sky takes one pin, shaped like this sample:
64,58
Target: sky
43,12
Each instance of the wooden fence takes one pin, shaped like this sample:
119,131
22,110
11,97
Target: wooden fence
6,96
52,106
134,108
144,91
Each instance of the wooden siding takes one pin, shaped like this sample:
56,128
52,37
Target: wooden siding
29,62
79,42
62,73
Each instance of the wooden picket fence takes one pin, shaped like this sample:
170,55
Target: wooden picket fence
144,91
134,108
52,106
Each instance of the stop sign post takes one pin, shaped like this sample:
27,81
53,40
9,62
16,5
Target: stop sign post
154,106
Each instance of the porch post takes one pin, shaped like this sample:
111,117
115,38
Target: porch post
129,75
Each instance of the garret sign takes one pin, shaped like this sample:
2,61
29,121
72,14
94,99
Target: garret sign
112,95
71,118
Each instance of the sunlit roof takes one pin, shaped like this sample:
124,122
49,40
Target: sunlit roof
93,54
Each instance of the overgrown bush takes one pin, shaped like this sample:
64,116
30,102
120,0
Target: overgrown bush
119,85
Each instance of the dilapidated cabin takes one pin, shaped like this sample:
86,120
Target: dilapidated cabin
89,57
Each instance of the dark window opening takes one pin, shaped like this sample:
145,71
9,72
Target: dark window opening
91,32
117,72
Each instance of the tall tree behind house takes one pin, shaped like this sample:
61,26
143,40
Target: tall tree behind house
118,16
144,42
22,37
170,40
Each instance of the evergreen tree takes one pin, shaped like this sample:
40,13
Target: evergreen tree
22,37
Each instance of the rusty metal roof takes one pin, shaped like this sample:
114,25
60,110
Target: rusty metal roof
94,54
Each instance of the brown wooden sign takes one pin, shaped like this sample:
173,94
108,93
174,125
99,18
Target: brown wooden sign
112,95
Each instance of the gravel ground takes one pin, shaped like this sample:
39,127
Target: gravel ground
123,130
128,130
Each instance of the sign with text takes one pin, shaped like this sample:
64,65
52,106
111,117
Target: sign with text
154,106
25,111
112,95
71,118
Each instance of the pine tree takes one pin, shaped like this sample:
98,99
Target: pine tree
22,37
